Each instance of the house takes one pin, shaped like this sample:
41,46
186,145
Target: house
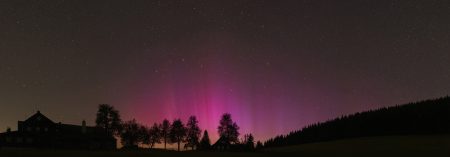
38,131
224,145
221,144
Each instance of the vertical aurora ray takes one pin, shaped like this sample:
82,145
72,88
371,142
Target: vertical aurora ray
267,93
275,66
206,85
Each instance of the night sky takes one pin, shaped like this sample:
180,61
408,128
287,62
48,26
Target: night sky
276,66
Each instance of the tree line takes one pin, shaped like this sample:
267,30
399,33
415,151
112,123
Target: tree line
423,117
134,134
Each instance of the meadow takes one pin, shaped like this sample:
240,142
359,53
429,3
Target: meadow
411,146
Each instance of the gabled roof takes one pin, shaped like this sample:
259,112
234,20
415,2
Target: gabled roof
221,141
38,117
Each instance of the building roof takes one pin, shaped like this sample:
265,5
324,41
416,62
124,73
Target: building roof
38,118
221,141
63,129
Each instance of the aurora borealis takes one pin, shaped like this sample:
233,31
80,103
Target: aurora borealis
275,66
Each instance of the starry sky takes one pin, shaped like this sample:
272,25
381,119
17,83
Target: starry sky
276,66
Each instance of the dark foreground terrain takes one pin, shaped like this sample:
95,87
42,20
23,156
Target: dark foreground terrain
395,146
433,145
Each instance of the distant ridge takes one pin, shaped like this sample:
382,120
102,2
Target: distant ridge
424,117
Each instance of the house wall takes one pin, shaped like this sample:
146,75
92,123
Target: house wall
42,133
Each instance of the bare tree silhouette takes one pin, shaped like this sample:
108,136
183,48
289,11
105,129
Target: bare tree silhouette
154,135
165,131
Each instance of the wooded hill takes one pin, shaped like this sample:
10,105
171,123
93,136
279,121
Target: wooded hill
423,117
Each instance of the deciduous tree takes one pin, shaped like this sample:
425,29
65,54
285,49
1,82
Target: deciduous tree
165,131
132,134
108,118
193,132
228,130
177,132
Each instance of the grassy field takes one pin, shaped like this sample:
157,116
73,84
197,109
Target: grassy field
373,146
411,146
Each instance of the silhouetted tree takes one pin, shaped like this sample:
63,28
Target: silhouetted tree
228,130
154,135
132,134
108,118
177,132
193,132
249,141
205,143
165,131
259,145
